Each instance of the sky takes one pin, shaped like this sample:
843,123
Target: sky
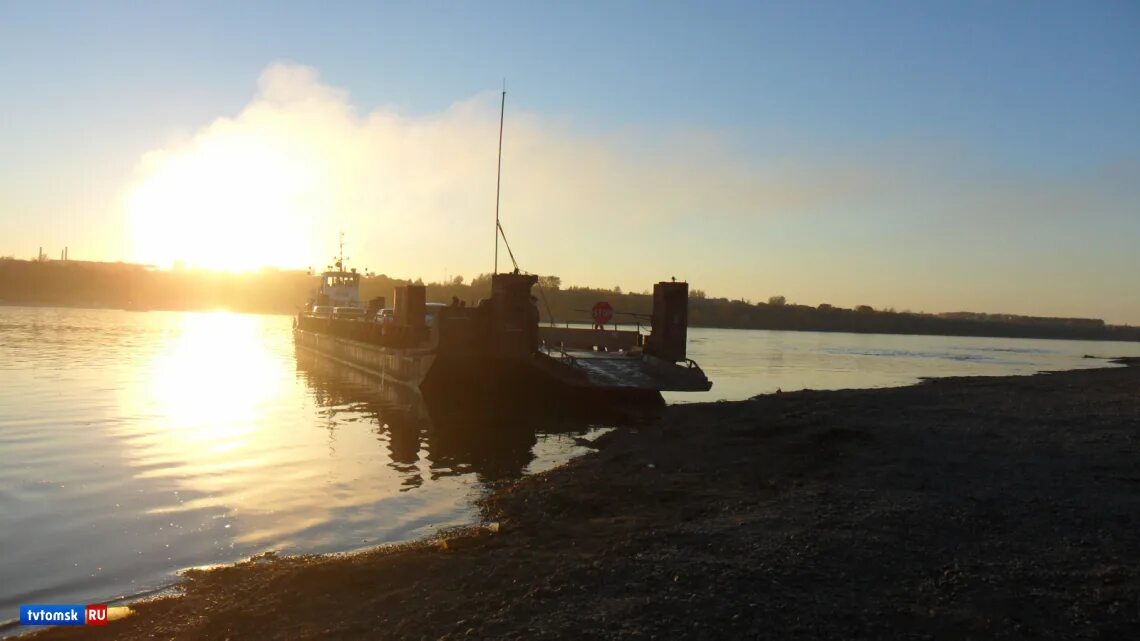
933,156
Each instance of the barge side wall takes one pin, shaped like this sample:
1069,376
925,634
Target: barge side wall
406,366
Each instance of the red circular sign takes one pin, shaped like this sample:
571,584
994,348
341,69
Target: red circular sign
602,312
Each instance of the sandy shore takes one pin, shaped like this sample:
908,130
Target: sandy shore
958,508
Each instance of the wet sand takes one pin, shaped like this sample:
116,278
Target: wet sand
957,508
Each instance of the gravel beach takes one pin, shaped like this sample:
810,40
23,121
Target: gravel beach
967,508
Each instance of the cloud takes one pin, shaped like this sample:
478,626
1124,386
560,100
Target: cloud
905,223
416,194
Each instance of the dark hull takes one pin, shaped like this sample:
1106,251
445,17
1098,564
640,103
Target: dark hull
470,379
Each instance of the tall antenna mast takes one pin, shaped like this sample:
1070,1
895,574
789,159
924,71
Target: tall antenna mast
499,176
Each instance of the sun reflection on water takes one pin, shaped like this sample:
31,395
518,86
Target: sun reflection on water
138,444
212,383
202,410
216,414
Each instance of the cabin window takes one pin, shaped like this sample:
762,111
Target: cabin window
342,280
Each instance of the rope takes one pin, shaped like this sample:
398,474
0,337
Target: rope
541,289
509,252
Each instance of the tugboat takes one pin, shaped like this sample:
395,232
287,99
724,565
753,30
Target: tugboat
338,294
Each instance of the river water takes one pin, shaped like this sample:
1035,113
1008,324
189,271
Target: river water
133,445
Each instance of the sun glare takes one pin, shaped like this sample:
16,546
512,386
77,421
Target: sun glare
232,203
209,384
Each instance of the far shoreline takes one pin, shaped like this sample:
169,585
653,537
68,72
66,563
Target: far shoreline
853,332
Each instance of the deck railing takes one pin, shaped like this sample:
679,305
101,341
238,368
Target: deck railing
365,331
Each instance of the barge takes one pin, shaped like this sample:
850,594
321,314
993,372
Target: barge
497,349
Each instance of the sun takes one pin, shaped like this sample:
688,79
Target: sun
237,202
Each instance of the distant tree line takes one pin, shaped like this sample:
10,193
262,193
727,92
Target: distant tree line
125,285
